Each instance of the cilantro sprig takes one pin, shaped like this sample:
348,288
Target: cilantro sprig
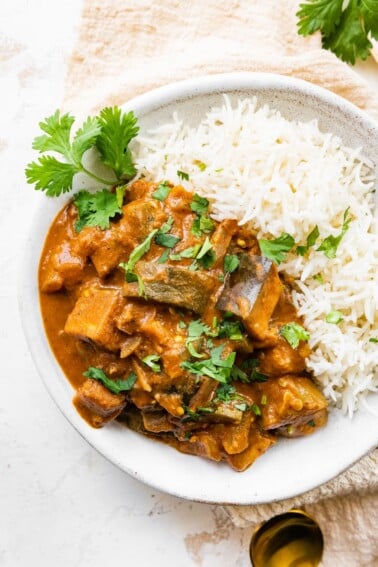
96,209
115,386
110,132
346,26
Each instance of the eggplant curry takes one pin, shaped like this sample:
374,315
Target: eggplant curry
177,326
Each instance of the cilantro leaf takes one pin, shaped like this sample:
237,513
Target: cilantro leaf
231,263
293,333
198,328
50,175
334,317
138,252
57,130
85,138
373,340
369,11
166,240
344,25
151,361
206,255
330,244
182,175
349,40
277,248
199,204
317,15
162,191
232,330
201,224
95,209
310,241
117,131
115,386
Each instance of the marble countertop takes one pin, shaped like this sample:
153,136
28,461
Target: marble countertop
61,503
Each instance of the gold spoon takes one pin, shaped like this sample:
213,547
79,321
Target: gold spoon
292,539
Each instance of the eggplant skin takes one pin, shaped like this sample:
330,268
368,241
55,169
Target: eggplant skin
174,285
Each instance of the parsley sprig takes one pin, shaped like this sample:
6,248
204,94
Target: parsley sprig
110,132
346,26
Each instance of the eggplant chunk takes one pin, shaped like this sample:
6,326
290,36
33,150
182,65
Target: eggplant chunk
175,285
258,443
97,403
318,419
283,359
252,293
290,400
93,317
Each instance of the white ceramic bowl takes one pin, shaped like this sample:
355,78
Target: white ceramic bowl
290,467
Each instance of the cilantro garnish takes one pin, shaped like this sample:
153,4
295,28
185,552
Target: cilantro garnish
277,248
110,132
318,278
334,317
162,191
115,386
310,241
202,224
95,209
373,340
231,329
293,333
231,263
206,255
330,244
182,175
166,240
151,361
346,26
215,367
138,252
199,204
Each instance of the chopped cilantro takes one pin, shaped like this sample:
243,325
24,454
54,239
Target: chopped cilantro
334,317
373,340
277,248
318,278
206,255
199,204
293,333
182,175
256,410
162,191
231,329
115,386
310,241
151,361
202,224
166,240
138,252
330,244
231,263
164,257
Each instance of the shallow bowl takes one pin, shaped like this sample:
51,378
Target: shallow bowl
291,466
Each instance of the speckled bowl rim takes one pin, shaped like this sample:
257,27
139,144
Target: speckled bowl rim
291,467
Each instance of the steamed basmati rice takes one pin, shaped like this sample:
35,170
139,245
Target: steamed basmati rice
288,176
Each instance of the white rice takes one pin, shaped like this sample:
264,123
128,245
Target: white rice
286,176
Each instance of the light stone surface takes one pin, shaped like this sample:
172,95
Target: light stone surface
61,503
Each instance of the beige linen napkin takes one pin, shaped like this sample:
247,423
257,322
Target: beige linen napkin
126,47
